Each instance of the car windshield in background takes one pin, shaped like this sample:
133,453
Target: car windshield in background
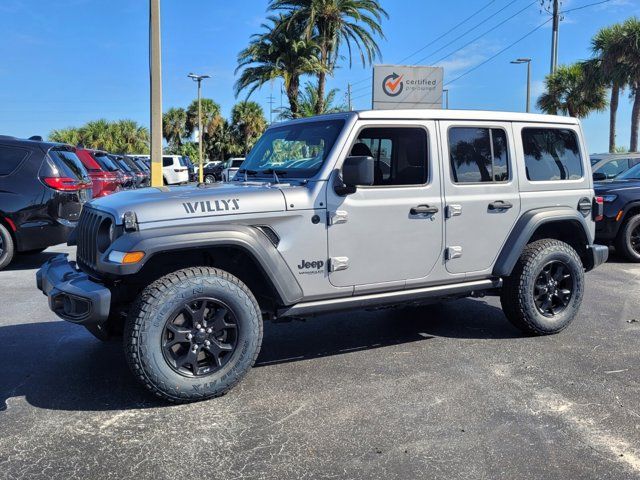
69,163
296,150
106,163
632,173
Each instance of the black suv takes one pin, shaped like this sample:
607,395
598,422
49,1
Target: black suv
42,188
620,225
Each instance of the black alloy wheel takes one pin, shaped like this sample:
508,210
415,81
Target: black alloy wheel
200,337
634,239
553,288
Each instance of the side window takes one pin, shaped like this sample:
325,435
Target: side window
614,167
551,154
400,154
478,154
11,158
167,161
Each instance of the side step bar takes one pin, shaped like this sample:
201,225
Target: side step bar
387,298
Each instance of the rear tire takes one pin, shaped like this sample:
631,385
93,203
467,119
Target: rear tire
544,292
193,334
628,239
7,247
209,179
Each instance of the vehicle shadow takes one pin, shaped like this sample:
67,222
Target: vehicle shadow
615,257
26,261
59,366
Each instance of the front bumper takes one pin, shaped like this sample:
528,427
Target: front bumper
598,254
72,295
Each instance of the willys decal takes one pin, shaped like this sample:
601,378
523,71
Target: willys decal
212,206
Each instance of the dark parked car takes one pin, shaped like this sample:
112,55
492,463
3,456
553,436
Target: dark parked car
213,173
142,177
42,189
620,225
130,180
186,161
105,180
107,164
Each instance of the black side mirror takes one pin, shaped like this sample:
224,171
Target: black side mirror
598,176
355,171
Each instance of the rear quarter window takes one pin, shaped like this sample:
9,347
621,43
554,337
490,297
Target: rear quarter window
11,158
551,154
69,164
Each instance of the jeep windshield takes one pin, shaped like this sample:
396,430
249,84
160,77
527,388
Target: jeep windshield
296,150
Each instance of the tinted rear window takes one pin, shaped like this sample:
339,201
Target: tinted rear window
236,163
167,161
551,154
105,162
11,158
69,164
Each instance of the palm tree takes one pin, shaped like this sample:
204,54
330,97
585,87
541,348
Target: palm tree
281,51
66,135
631,63
608,46
308,100
334,23
571,91
211,120
128,137
95,134
248,121
174,126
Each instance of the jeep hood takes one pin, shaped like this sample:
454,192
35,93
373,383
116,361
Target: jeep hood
178,203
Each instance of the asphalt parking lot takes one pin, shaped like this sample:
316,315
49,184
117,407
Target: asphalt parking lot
448,391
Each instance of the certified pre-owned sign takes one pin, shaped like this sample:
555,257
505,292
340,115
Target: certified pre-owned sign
402,86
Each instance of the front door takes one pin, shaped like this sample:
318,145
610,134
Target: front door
392,231
481,193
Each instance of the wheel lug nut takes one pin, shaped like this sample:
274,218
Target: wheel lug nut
198,326
189,336
209,330
207,343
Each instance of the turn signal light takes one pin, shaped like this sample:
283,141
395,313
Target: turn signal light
132,257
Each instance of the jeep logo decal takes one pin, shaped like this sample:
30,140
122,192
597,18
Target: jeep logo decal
312,267
212,206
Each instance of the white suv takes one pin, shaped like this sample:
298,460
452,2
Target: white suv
231,167
173,170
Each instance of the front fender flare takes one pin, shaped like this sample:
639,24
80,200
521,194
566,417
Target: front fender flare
154,241
526,226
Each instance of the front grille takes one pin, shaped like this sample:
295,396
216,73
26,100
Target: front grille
87,237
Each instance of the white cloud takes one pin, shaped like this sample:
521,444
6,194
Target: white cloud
468,57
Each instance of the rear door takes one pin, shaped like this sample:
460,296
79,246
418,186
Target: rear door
482,200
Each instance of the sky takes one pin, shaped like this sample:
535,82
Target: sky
66,62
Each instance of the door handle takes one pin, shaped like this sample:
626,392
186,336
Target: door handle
423,210
500,205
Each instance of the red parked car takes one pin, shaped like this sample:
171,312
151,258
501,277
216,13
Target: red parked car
105,180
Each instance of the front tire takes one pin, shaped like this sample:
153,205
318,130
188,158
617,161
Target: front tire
628,240
544,292
209,179
7,247
193,334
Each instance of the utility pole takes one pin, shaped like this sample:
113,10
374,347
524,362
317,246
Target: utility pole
199,78
520,61
554,35
271,102
349,96
155,77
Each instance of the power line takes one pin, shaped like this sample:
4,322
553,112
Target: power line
585,6
499,53
438,38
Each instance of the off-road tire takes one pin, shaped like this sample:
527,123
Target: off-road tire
517,295
147,320
623,240
7,246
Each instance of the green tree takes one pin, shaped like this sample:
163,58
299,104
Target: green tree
249,123
570,91
608,46
127,136
334,24
65,135
281,51
224,142
308,101
174,126
211,120
631,62
97,134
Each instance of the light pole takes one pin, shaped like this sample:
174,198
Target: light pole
199,78
446,97
520,61
155,74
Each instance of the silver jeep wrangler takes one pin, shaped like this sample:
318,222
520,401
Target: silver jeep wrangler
346,211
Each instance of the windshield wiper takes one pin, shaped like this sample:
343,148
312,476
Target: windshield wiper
247,172
270,171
